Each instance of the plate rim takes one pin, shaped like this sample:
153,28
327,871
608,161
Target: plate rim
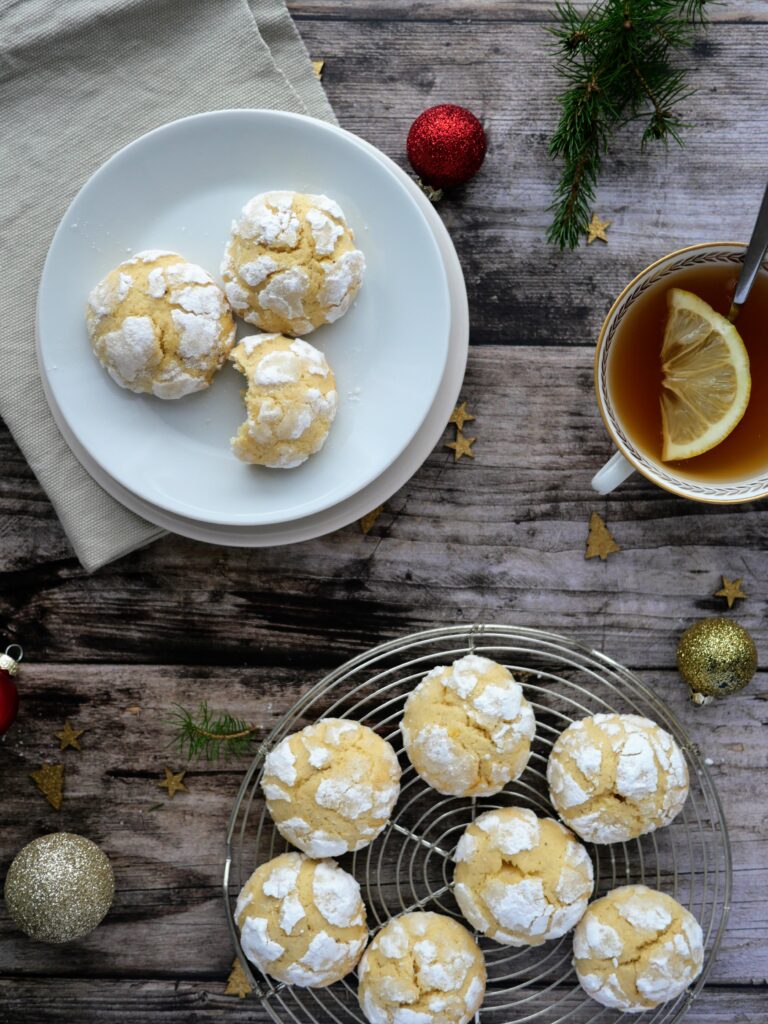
383,488
322,504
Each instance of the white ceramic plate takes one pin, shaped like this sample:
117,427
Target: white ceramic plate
178,188
379,490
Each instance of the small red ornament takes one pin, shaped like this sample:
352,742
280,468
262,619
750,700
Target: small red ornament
446,145
9,695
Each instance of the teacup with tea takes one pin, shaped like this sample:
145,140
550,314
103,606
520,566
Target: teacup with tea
683,392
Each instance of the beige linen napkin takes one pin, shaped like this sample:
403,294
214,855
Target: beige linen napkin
79,80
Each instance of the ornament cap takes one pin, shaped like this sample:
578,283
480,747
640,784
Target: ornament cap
9,661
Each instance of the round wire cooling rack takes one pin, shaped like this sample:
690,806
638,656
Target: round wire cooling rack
410,867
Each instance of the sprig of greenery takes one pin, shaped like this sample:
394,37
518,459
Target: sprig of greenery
211,734
617,61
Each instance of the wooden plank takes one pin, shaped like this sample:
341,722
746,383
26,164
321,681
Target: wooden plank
185,1001
168,860
381,75
499,538
477,12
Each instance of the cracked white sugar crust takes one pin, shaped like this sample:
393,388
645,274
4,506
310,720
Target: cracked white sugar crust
467,727
291,264
342,781
615,777
520,879
302,921
159,325
637,948
421,967
291,401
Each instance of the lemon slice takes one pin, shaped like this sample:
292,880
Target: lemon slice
706,381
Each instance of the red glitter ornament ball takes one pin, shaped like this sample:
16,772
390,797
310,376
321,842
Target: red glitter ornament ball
446,145
9,695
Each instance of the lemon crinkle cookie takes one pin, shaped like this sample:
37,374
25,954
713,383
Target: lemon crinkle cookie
636,948
615,777
291,264
467,727
302,921
421,968
519,879
291,400
330,788
160,325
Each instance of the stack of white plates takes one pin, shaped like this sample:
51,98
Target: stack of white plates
399,355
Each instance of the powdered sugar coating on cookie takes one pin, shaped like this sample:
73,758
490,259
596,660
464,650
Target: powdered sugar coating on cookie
468,728
302,921
160,325
421,968
520,879
291,264
331,788
637,948
291,401
615,777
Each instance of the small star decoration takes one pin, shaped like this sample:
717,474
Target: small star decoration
369,521
731,591
317,67
49,779
237,983
172,782
597,229
461,446
600,542
69,736
460,416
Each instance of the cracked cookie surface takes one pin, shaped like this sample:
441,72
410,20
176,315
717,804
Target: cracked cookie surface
519,879
331,788
291,401
291,263
302,921
160,325
615,777
422,968
467,727
636,948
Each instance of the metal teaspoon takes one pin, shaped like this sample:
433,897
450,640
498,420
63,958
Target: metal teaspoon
753,258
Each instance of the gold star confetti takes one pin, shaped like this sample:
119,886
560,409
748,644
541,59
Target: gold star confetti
317,67
237,983
597,229
461,446
460,416
69,736
600,542
49,779
368,521
172,782
434,195
731,591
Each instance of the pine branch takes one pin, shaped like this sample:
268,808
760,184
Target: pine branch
211,734
616,59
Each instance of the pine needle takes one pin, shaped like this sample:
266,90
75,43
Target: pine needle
211,734
616,60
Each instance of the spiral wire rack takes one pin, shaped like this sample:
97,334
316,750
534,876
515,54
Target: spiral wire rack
410,865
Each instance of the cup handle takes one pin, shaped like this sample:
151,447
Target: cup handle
614,472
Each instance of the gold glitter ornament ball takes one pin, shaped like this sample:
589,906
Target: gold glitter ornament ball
59,887
716,657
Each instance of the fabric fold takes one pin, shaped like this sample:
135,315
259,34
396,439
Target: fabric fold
79,82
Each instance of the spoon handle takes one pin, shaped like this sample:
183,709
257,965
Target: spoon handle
753,258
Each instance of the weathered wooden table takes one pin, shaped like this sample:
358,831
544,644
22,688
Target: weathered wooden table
500,538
